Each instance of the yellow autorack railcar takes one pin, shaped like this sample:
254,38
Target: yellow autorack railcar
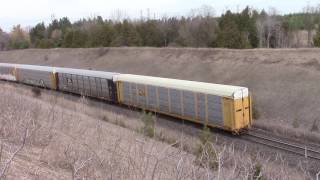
215,105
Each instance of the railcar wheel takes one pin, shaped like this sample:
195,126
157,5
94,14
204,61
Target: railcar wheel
236,133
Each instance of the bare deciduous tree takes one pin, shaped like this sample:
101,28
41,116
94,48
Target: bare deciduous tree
12,155
4,40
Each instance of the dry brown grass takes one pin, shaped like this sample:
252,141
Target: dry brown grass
69,140
305,135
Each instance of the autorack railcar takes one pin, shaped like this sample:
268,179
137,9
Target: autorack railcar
223,106
215,105
7,72
42,76
97,84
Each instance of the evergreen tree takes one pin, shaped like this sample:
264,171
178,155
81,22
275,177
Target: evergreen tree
247,29
126,35
170,30
101,35
316,39
53,26
37,33
247,25
75,38
240,28
64,24
230,35
130,34
68,39
151,34
57,30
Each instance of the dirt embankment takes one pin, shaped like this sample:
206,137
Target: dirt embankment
285,83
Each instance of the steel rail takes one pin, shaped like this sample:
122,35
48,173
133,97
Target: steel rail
280,142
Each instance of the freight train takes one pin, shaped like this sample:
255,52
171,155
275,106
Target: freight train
214,105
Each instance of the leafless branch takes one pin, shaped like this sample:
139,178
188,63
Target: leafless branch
7,164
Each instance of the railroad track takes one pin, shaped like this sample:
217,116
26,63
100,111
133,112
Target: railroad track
307,151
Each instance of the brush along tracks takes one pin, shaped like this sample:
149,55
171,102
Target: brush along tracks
311,151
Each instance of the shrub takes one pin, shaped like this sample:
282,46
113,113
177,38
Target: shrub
102,52
120,123
105,118
205,135
148,121
46,58
36,91
257,175
315,127
44,44
316,39
255,109
255,113
206,154
295,123
160,136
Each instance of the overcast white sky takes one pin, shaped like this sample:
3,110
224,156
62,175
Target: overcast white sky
30,12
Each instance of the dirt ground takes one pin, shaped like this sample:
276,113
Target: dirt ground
284,82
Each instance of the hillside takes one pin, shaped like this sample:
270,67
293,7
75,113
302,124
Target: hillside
68,137
284,83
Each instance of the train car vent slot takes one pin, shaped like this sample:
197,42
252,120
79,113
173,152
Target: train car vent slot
239,110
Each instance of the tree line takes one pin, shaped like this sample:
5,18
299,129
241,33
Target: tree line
248,28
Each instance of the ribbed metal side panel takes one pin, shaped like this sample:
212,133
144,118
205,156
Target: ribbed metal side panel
104,88
141,96
182,103
126,93
189,104
163,99
113,94
94,90
35,77
175,96
65,82
152,97
5,70
133,93
215,110
84,85
201,107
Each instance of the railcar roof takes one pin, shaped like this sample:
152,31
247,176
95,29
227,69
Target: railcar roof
32,67
91,73
234,92
7,65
